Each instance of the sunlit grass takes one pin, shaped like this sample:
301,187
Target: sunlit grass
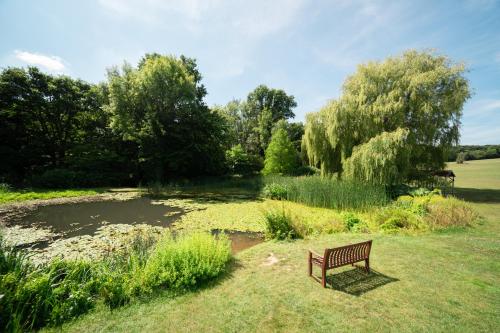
7,196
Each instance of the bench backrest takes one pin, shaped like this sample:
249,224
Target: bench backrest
348,254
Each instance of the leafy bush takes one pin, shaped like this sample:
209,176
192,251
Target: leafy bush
187,260
394,218
331,193
241,163
461,157
279,226
275,191
351,221
4,187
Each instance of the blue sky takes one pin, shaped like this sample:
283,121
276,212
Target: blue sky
305,47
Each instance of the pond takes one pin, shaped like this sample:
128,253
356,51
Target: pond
78,227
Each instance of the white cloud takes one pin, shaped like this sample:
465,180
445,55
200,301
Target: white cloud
51,63
237,27
252,18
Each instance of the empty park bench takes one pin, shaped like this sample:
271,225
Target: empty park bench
340,256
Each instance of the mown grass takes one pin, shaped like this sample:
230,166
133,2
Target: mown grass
11,195
433,282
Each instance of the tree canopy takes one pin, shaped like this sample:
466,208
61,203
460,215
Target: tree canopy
420,94
159,106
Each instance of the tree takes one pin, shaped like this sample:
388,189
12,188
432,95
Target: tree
420,92
240,162
383,159
159,106
43,118
281,156
264,108
461,157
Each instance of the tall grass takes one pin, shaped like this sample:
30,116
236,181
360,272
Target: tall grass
33,297
328,192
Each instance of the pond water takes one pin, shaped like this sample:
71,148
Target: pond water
86,218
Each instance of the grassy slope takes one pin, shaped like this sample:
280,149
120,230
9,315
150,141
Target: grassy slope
435,282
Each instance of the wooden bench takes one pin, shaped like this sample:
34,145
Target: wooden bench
340,256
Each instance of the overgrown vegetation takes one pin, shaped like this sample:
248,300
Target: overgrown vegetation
32,297
279,226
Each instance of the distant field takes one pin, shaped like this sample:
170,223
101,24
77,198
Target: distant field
480,174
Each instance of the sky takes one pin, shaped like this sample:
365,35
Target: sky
306,47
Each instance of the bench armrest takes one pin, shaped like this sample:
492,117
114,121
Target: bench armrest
315,254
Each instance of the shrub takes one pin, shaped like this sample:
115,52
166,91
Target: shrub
351,221
279,226
394,218
461,157
240,162
275,191
450,212
420,192
187,260
4,187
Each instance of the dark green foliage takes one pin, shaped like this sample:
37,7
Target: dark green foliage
159,107
275,191
331,193
55,122
250,123
279,226
240,162
473,152
33,297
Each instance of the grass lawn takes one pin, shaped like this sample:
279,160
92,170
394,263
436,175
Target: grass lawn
23,195
447,281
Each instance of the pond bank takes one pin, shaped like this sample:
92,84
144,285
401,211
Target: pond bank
92,227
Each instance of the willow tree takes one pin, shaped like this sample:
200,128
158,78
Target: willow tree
420,92
384,159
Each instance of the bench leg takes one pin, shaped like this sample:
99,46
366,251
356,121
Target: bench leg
367,265
323,277
310,264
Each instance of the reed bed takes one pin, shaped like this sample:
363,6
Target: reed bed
326,192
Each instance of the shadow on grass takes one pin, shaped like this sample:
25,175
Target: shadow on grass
356,281
478,195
